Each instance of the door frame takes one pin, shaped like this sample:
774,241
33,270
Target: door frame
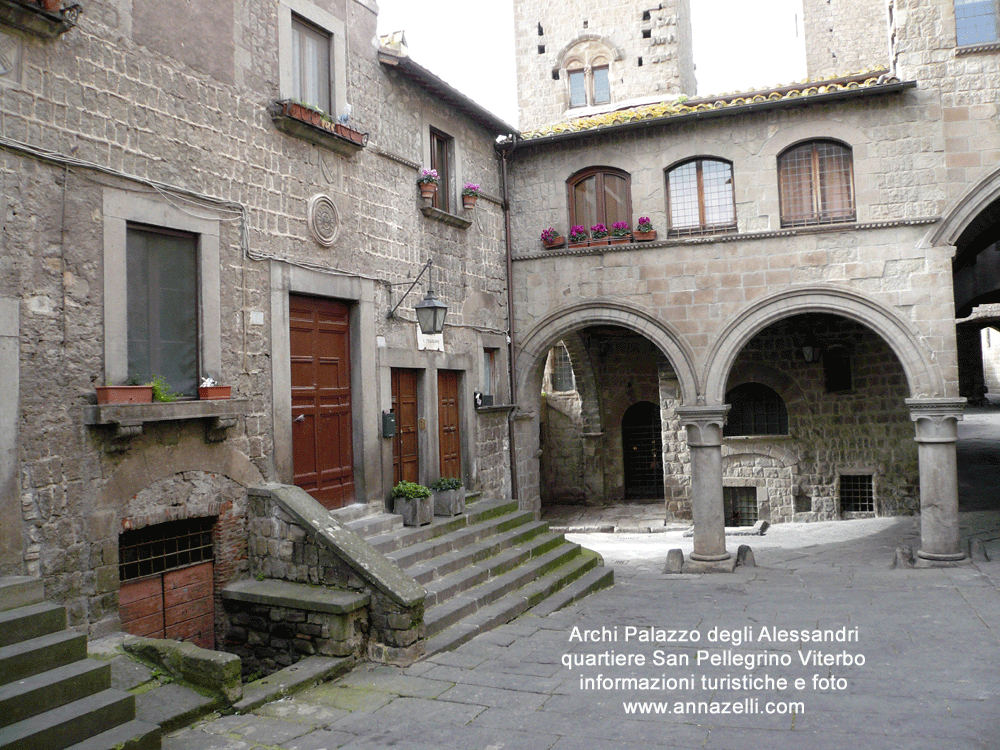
359,294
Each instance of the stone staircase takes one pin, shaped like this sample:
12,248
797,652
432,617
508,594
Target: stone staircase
52,697
484,567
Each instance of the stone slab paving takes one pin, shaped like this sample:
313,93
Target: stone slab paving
930,640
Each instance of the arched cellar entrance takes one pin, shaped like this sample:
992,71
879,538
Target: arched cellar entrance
642,452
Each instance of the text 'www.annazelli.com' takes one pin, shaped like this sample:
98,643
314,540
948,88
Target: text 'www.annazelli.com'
718,708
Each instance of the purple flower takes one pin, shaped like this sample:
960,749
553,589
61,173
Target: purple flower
598,230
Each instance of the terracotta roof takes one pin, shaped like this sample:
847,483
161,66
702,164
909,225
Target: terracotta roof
865,82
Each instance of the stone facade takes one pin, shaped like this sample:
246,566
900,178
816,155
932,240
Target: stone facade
845,36
121,122
646,48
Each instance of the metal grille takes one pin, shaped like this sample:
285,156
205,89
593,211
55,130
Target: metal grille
701,198
816,184
741,502
561,369
755,409
857,494
163,547
642,444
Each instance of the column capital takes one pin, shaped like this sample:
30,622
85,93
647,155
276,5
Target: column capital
704,424
936,419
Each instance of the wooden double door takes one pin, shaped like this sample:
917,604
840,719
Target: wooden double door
406,443
322,435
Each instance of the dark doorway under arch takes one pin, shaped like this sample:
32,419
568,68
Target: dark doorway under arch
642,446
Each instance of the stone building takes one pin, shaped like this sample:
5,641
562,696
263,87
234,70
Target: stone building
168,211
795,316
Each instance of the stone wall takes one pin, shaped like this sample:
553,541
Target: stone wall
991,359
845,36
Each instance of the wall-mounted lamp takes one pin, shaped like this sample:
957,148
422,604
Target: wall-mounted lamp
430,310
812,352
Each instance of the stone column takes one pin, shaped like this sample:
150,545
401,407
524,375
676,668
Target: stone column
12,526
704,430
936,422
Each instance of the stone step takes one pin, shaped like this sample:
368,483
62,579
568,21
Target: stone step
426,571
504,561
33,620
381,523
593,580
134,735
409,535
37,655
457,539
20,591
511,605
31,696
71,723
446,614
352,513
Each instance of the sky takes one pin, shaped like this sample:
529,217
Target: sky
470,45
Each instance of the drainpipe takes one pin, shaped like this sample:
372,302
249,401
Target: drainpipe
504,150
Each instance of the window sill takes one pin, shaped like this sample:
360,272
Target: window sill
30,18
444,217
333,136
127,419
972,49
495,408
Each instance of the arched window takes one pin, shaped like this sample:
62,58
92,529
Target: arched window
599,195
561,369
700,197
755,409
816,184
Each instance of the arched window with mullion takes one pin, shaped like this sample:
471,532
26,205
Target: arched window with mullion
599,195
701,198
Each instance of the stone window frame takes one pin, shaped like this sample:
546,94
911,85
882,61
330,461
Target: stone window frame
703,226
585,55
819,168
122,208
310,13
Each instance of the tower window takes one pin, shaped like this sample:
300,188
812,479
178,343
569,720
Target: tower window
647,33
540,31
645,15
541,49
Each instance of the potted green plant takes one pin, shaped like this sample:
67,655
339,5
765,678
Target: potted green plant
449,496
644,231
413,502
470,194
552,239
577,235
428,182
598,234
161,390
620,233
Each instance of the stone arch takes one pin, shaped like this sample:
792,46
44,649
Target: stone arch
772,377
144,468
557,325
923,375
957,217
613,50
586,383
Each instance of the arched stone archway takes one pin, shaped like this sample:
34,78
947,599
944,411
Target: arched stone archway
923,375
563,325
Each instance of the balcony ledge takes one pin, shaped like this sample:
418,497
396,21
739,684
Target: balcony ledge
127,420
30,18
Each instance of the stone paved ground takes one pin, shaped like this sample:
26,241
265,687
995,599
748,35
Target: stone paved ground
930,638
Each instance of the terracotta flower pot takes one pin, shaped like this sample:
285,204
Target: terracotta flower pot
619,240
644,236
557,242
469,201
215,392
596,241
427,190
124,394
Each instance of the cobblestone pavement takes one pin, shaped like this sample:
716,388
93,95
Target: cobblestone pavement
929,639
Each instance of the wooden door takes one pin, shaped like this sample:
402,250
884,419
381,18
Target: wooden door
322,452
449,434
177,604
405,445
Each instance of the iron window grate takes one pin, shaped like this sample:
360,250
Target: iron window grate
857,493
741,502
163,547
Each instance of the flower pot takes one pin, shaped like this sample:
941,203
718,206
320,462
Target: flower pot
449,502
52,6
469,201
124,394
595,241
427,190
349,133
214,392
579,243
557,242
644,236
416,511
619,240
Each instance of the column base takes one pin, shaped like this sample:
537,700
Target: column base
936,560
718,557
727,565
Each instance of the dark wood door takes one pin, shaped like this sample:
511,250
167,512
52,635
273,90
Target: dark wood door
449,434
178,604
321,399
405,447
